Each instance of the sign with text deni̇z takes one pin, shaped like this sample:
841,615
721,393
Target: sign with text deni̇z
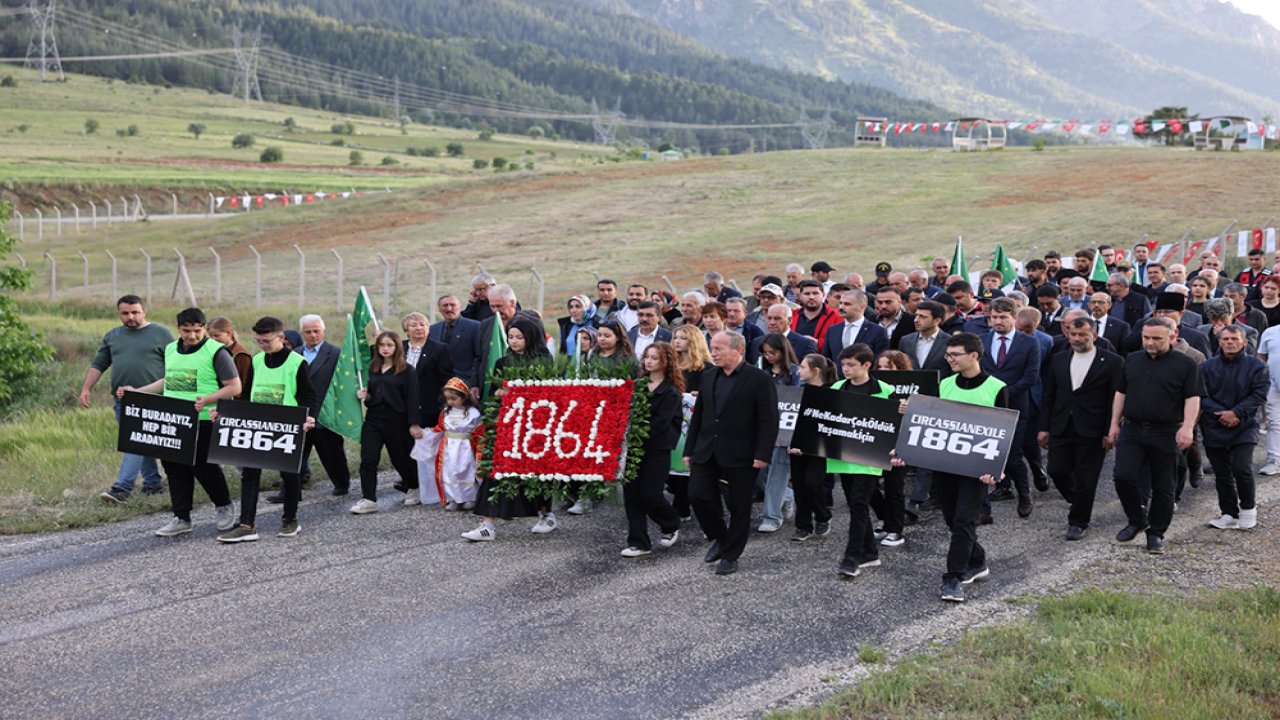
562,430
955,437
258,435
909,382
846,426
157,426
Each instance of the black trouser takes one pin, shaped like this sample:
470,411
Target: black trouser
1190,464
678,485
1031,445
808,482
710,484
643,500
182,478
1233,475
889,503
921,489
1155,447
960,499
381,428
251,480
1015,470
1075,463
328,446
861,546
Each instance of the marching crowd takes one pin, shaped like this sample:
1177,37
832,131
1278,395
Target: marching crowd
1172,368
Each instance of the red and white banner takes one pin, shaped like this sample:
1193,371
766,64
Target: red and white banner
562,430
285,199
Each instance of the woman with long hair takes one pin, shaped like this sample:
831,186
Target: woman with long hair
222,330
779,360
1269,300
613,347
393,419
692,357
889,501
642,497
808,474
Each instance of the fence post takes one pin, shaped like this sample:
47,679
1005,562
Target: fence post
148,257
340,269
596,275
137,209
77,209
670,285
94,207
174,197
302,277
58,210
22,262
542,288
39,224
114,294
386,285
257,278
22,225
184,278
210,204
431,314
84,259
110,219
124,209
217,276
53,276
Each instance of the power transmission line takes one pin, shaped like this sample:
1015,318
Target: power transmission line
135,56
246,78
43,46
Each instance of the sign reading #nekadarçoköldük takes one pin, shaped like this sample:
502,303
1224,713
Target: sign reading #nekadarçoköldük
846,426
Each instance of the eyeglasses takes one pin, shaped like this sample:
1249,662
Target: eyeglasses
264,343
955,354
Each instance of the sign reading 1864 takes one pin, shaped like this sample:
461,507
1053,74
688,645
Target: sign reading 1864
158,426
258,435
958,438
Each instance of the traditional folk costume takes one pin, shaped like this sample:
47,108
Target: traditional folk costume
447,453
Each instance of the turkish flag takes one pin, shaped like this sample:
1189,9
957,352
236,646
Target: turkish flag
310,198
1119,256
235,202
1192,251
1139,128
1152,245
258,201
1175,127
1256,239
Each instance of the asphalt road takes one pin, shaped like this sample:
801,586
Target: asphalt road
393,616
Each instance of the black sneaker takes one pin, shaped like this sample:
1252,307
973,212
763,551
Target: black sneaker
152,490
822,529
1129,532
951,590
800,535
849,568
973,575
1155,544
1002,494
114,496
276,498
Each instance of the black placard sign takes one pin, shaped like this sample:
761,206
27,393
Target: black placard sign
248,434
955,437
788,411
157,426
846,426
909,382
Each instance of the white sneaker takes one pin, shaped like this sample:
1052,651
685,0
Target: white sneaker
1226,522
788,509
175,526
484,533
768,526
667,540
412,497
546,523
892,540
634,552
452,506
1271,468
227,517
581,507
1248,519
364,507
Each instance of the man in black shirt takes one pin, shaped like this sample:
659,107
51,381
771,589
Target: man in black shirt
1158,401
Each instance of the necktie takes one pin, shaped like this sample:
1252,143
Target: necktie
848,334
1003,351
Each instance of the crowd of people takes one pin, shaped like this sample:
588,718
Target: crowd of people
1174,369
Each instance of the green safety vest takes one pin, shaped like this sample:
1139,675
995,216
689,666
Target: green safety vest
848,468
276,386
188,376
984,394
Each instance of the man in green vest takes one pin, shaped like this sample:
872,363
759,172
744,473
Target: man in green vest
960,497
859,481
201,370
278,376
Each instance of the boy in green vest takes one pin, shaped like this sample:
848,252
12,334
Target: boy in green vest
278,376
201,370
859,481
959,497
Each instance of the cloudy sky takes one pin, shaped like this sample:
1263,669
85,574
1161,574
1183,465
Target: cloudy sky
1269,9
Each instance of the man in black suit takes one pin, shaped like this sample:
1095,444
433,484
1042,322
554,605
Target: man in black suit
1129,306
646,332
1051,310
1013,358
1108,325
322,360
778,320
855,328
1078,392
890,315
462,336
730,439
926,347
1170,305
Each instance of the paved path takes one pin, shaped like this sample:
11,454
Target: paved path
392,616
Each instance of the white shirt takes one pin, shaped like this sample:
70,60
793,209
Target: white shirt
627,317
851,330
995,345
923,346
1102,324
643,341
1080,364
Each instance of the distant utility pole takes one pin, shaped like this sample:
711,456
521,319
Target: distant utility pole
815,133
606,124
395,101
246,78
43,49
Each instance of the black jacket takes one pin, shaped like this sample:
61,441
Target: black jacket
396,392
665,418
1087,410
435,367
742,431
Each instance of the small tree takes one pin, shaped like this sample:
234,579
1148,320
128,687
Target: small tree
196,129
487,134
241,141
355,158
271,154
24,348
91,126
499,163
454,149
290,124
388,161
132,131
23,127
537,133
479,163
430,152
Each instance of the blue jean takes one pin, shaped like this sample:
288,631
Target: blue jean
132,465
776,491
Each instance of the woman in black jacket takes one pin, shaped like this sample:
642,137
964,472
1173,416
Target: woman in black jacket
393,419
643,497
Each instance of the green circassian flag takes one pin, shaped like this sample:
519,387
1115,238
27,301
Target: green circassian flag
958,266
341,411
1099,271
1002,263
497,349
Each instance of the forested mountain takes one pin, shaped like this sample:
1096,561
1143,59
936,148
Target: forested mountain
546,54
1063,58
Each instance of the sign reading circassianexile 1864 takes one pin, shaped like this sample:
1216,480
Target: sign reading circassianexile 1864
954,437
562,429
258,435
158,426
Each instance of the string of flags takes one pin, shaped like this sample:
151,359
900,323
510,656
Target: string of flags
1184,252
246,201
1121,128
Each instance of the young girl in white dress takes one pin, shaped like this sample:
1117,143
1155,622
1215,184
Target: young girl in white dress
449,448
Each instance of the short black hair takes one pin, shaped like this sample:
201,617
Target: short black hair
858,351
130,300
808,284
648,305
771,280
969,342
1035,264
960,286
888,289
606,281
638,285
1052,254
268,325
934,308
1103,247
191,316
840,288
1048,290
1084,254
1078,323
1256,252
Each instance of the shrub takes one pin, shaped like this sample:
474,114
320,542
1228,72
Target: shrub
479,163
499,163
90,126
121,132
528,165
338,142
355,158
537,132
8,81
271,154
132,131
412,152
487,134
344,128
454,149
290,124
430,152
388,161
242,140
23,127
196,129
